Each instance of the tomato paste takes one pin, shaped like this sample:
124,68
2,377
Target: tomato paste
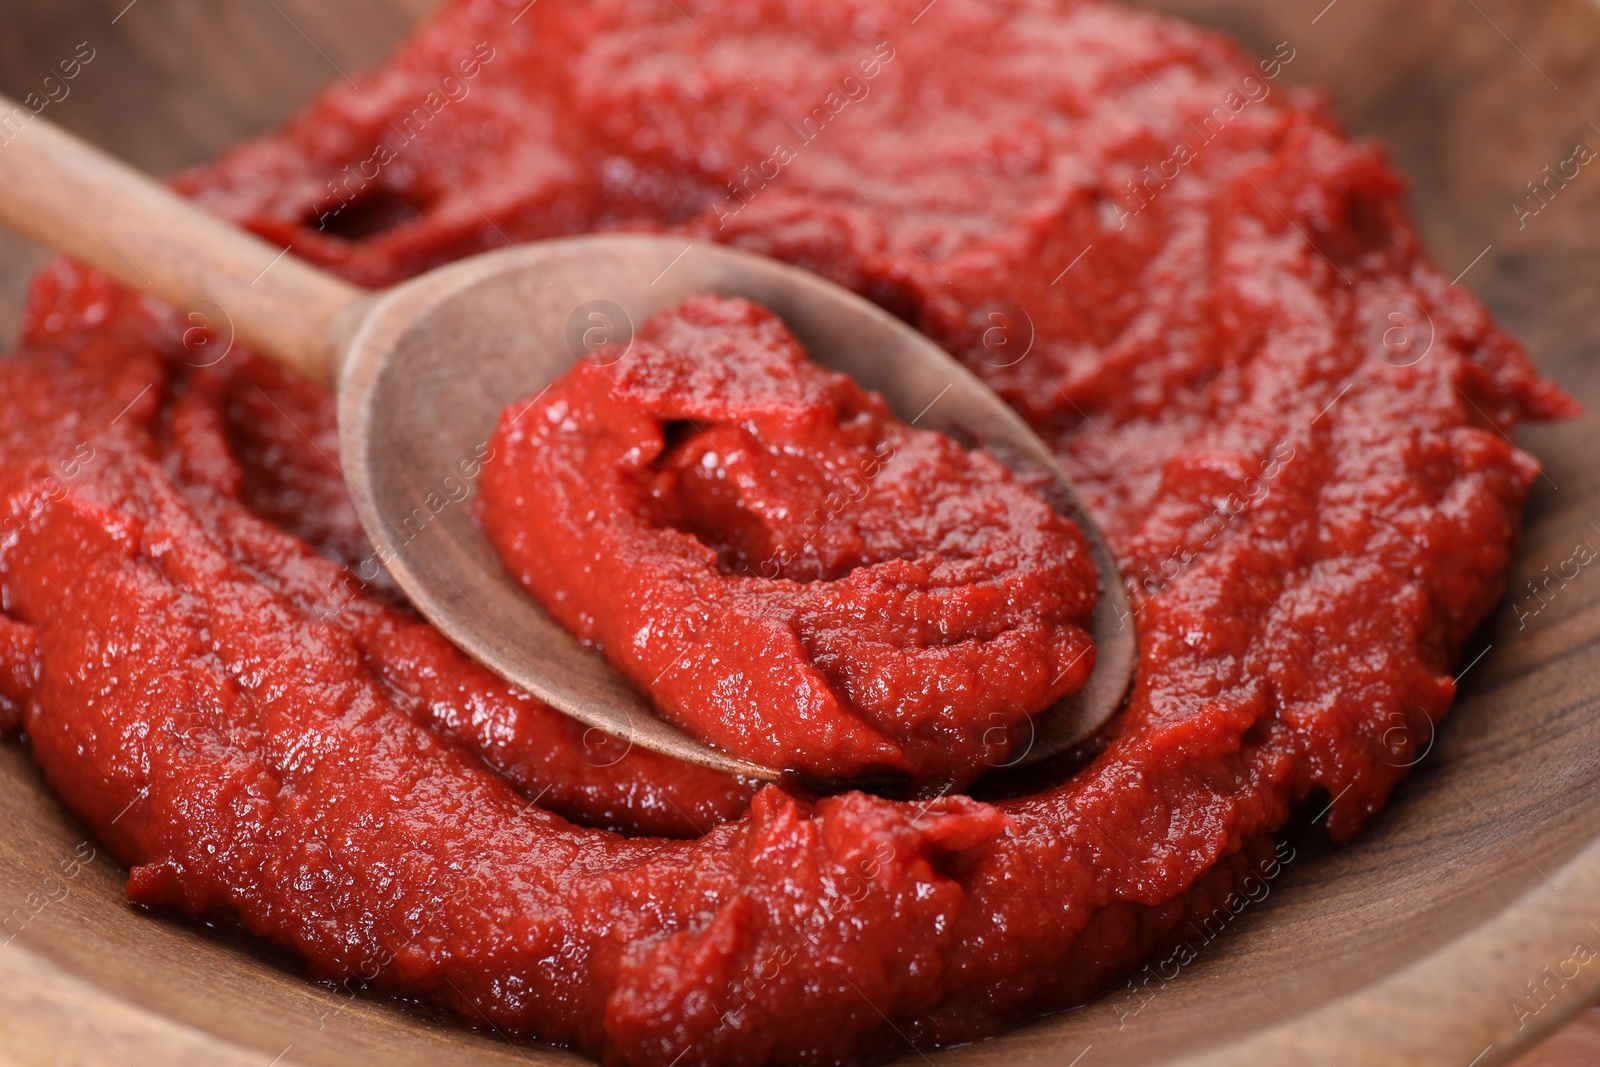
210,676
784,567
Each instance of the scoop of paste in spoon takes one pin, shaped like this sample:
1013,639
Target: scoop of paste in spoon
791,573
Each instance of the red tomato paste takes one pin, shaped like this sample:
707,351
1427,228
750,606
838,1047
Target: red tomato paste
213,678
788,570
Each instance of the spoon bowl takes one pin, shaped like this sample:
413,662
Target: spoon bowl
424,370
436,361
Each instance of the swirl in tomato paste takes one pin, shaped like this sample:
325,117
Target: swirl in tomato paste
790,572
204,680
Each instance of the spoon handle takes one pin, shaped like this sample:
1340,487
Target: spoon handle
74,198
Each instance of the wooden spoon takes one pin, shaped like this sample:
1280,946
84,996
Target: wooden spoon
423,371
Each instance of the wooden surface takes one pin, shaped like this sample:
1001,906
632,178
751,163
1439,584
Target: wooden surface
74,198
173,83
1415,944
407,415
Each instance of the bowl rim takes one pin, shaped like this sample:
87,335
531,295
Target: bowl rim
1447,1006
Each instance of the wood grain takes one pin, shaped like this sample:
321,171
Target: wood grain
1413,945
64,192
407,415
174,83
1576,1045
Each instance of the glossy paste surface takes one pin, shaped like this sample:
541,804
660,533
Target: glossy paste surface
787,569
1191,271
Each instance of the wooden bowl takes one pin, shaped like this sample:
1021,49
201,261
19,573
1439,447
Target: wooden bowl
1461,927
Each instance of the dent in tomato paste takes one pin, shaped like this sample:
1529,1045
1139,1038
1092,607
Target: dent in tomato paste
788,570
